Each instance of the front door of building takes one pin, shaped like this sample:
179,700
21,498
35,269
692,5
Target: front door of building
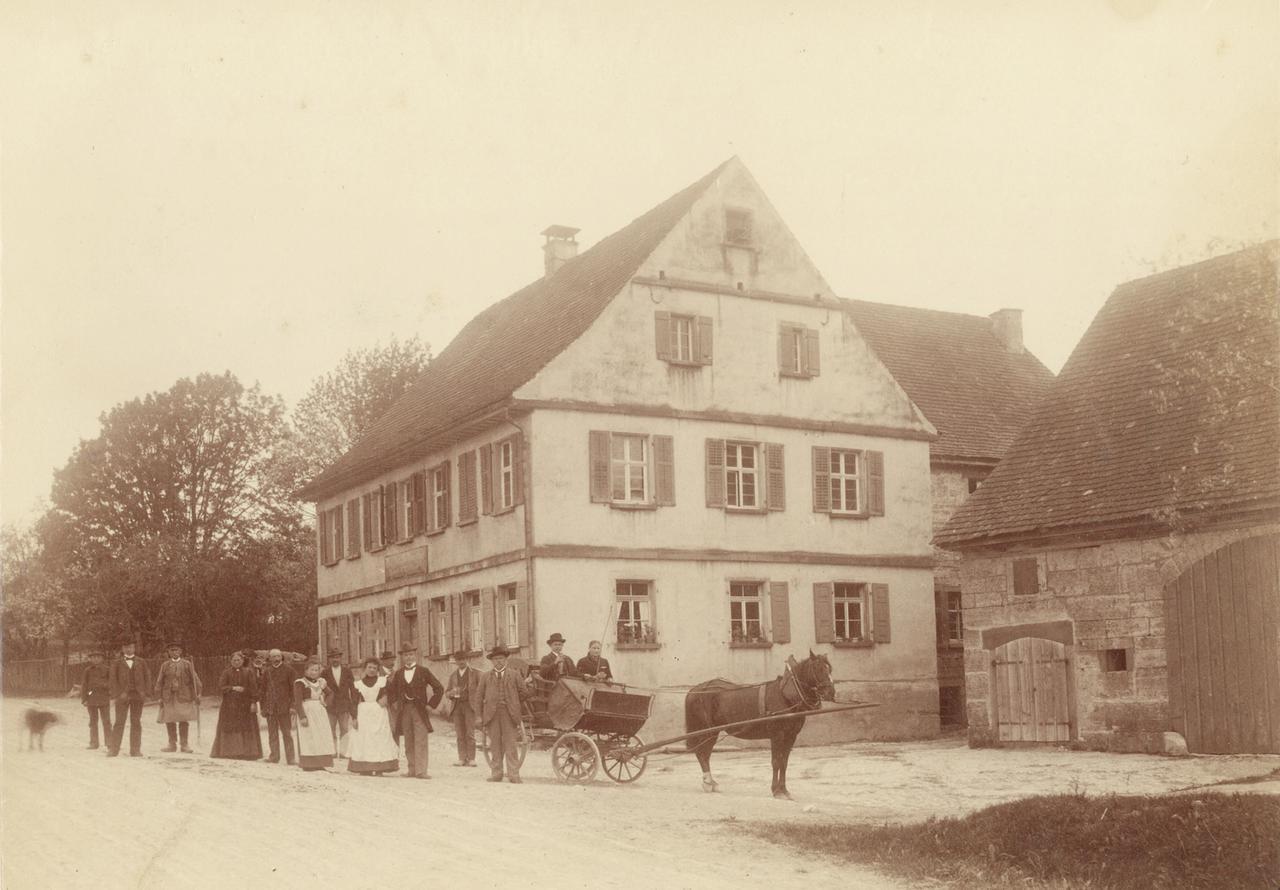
1031,691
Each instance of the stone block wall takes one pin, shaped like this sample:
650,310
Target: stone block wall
1113,596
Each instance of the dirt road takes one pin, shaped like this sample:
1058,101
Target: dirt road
74,818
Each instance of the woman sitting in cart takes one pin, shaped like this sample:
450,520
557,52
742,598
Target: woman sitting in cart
592,667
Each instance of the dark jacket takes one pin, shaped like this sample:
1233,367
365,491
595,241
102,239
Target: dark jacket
466,689
514,692
343,691
95,688
424,692
120,679
553,666
589,667
276,692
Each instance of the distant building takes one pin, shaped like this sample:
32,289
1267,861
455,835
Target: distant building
677,442
1121,566
976,382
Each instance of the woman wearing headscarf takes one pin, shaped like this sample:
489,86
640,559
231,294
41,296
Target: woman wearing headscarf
237,736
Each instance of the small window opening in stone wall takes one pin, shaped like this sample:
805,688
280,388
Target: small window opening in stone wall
1026,577
1115,660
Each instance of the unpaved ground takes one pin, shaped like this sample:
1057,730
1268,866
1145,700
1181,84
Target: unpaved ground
74,818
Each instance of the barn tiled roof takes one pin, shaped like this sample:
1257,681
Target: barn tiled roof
1167,415
503,347
971,388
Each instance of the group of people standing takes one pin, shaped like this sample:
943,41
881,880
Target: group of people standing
329,711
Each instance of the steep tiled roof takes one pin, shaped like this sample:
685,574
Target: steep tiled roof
977,393
503,347
1167,415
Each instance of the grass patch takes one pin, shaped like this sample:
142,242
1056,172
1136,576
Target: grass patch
1070,841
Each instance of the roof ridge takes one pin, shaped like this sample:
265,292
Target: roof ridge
1198,265
930,309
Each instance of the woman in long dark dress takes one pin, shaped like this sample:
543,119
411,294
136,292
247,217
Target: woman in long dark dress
237,736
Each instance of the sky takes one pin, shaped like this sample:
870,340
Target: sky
261,187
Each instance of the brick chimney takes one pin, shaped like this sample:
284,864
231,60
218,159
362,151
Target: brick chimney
1006,324
559,248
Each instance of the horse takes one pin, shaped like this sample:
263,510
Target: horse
802,687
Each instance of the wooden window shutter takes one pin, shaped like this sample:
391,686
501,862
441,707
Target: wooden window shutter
322,537
522,616
517,469
780,611
429,492
448,496
486,479
821,479
367,526
715,472
824,617
344,633
338,536
874,462
880,612
775,468
433,627
703,334
664,471
786,350
812,361
599,466
353,527
466,486
419,502
389,513
488,618
662,334
457,623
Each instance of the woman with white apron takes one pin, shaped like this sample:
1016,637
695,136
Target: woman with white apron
315,738
373,749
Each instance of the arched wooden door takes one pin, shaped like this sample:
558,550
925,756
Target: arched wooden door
1032,696
1222,617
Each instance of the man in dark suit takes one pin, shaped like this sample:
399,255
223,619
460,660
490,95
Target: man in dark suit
461,692
275,694
498,698
95,694
342,682
413,689
129,680
555,664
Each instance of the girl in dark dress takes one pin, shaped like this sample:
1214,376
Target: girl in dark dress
237,736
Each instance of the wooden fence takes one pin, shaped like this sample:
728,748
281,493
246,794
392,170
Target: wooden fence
49,676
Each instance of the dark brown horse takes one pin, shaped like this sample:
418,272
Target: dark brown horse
802,687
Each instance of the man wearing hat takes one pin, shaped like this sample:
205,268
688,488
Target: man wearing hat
555,664
129,680
340,705
414,689
95,694
178,687
461,692
498,697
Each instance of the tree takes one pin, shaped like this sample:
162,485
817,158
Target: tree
342,405
163,525
37,608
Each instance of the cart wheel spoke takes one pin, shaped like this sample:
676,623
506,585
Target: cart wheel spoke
575,757
621,758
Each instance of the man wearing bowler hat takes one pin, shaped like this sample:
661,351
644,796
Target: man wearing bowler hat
555,664
498,697
413,689
178,688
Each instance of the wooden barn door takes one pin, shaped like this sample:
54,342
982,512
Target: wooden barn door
1031,691
1222,617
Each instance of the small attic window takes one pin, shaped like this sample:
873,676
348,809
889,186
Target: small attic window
737,226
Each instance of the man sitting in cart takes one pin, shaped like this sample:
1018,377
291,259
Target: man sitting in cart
555,664
592,667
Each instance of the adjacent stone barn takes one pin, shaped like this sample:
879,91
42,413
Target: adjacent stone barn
978,384
1121,566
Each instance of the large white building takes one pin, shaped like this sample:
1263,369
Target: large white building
676,442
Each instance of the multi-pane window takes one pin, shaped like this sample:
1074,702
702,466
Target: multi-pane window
506,474
850,603
737,226
404,509
475,629
792,351
682,334
443,644
409,621
746,612
635,612
741,465
509,616
845,481
372,509
954,617
440,496
629,469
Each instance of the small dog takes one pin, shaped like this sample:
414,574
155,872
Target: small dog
37,722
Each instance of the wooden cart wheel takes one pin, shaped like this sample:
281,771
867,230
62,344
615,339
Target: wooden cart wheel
622,760
575,758
522,746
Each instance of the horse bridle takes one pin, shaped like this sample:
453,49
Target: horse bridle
805,703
